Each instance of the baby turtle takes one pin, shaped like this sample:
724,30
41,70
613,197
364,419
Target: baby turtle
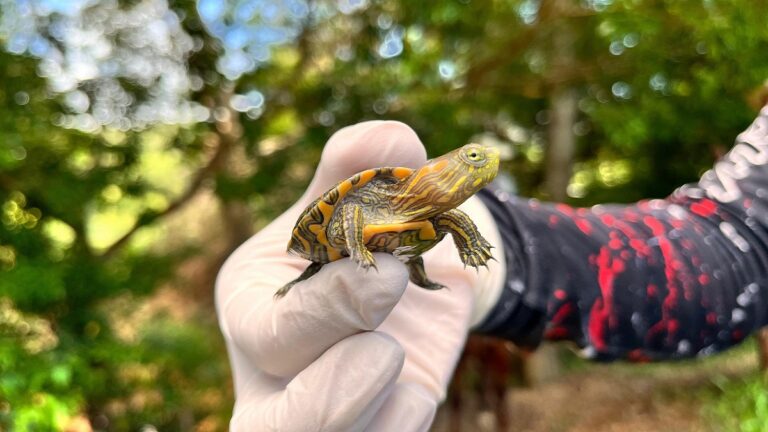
398,210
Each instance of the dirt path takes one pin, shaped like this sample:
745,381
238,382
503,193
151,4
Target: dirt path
611,398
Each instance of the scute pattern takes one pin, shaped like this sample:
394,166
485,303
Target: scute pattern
310,235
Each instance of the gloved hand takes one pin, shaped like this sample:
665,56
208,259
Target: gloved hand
348,349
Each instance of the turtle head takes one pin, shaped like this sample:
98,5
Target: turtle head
468,169
447,181
479,162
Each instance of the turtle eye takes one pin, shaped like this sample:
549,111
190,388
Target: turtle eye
475,156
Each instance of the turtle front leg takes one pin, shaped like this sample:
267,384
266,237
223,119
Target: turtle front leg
474,249
419,276
353,224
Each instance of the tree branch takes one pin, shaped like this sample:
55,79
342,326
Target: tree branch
194,187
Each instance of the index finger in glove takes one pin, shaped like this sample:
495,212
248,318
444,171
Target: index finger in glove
282,337
340,391
365,145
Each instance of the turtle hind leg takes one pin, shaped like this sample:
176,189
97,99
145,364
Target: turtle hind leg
474,249
419,276
308,272
353,224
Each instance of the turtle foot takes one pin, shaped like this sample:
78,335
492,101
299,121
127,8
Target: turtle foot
405,253
306,274
284,290
364,259
419,276
429,285
477,255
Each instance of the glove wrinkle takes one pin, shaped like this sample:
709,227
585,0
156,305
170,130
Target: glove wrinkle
409,408
337,302
341,391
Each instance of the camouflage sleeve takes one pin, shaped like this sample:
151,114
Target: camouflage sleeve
660,279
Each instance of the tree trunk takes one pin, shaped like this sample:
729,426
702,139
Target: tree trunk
544,364
762,349
562,142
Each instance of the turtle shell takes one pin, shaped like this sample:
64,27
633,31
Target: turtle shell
310,235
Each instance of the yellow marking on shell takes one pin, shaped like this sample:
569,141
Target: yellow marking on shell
326,210
319,232
426,229
304,242
366,176
401,172
344,187
333,254
477,182
322,238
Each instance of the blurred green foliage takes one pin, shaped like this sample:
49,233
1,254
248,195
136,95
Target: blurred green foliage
662,88
740,404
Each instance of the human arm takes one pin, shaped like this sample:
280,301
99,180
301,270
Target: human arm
659,279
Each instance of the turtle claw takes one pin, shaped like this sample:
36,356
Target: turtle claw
371,266
477,256
433,286
405,253
364,260
283,291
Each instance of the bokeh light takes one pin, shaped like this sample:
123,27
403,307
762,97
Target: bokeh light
92,53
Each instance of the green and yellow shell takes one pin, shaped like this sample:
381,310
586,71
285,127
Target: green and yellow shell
398,210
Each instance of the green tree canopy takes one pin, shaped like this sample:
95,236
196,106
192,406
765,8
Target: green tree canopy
118,116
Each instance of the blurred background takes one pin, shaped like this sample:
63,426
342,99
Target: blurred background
141,141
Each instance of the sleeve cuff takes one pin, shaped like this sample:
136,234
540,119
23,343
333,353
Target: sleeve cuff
490,282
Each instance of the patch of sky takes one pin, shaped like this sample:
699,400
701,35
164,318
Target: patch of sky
392,43
616,48
658,82
631,40
248,29
621,90
446,69
351,6
598,5
528,11
251,100
211,10
88,48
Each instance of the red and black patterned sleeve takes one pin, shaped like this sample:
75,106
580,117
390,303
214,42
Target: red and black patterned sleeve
660,279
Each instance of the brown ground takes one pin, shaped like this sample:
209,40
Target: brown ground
611,398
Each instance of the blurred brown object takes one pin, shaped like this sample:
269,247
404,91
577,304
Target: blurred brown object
78,423
762,349
487,368
758,98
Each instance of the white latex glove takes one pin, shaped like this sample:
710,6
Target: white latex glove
348,349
